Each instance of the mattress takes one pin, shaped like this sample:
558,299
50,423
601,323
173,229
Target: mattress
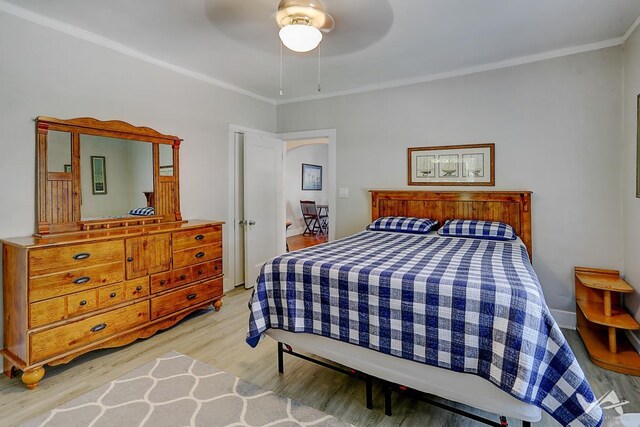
455,386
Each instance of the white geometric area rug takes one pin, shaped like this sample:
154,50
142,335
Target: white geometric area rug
176,390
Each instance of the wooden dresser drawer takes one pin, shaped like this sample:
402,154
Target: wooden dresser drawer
64,283
198,237
64,338
73,257
73,305
161,282
182,276
137,288
61,308
111,295
197,255
183,298
207,269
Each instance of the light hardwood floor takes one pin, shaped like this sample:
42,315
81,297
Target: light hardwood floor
218,339
301,241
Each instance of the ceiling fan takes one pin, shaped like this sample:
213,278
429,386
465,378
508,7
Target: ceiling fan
302,23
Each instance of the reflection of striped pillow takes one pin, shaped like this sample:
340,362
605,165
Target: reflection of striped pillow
142,211
402,224
480,229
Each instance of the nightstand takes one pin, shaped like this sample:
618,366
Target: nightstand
601,317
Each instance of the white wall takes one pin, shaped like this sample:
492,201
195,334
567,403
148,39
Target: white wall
315,154
631,204
45,72
555,124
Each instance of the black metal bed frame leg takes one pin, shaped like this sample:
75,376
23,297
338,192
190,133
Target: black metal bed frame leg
280,358
369,382
526,424
387,398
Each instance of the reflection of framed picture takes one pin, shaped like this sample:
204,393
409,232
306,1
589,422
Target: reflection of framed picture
452,165
311,177
99,174
166,170
67,168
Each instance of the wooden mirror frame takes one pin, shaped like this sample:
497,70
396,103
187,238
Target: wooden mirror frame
58,193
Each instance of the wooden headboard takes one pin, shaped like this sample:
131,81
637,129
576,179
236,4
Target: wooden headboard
510,207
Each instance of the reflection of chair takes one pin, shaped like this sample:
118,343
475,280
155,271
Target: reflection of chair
313,221
151,199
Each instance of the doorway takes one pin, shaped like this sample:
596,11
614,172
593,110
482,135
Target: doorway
306,169
255,228
235,237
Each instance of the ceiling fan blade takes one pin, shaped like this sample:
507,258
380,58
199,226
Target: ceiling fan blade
329,23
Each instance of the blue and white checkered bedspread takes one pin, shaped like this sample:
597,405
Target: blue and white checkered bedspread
468,305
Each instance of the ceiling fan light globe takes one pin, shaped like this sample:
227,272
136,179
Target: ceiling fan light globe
300,37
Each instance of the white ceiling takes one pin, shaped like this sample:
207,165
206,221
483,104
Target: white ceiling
375,43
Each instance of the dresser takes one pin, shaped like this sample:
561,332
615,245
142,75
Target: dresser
72,293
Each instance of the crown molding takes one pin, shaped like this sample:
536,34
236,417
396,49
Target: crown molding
99,40
513,62
631,29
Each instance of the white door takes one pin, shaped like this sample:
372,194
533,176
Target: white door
264,208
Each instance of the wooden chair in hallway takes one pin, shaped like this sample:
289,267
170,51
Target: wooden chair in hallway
314,222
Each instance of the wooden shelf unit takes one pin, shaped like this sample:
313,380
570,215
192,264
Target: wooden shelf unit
599,317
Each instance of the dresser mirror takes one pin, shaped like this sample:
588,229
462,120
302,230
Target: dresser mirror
101,175
115,175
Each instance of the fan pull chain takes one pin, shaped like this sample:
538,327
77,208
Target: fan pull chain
319,87
281,90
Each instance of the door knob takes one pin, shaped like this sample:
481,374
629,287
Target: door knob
251,222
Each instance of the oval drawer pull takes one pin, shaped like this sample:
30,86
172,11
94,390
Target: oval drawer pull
99,327
200,237
83,302
182,277
162,282
112,295
138,288
82,280
191,296
130,259
81,256
199,254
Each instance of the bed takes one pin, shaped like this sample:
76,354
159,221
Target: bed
464,319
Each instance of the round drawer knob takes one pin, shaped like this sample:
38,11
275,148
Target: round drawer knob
130,259
200,272
83,302
112,295
138,288
182,277
162,282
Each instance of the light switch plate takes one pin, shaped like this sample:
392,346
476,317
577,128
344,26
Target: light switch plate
343,192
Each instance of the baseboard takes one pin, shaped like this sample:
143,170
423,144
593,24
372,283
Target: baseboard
564,319
634,339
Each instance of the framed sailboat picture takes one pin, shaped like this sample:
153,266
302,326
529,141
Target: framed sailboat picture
452,165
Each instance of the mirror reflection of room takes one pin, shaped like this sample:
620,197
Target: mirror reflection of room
166,159
115,175
59,151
